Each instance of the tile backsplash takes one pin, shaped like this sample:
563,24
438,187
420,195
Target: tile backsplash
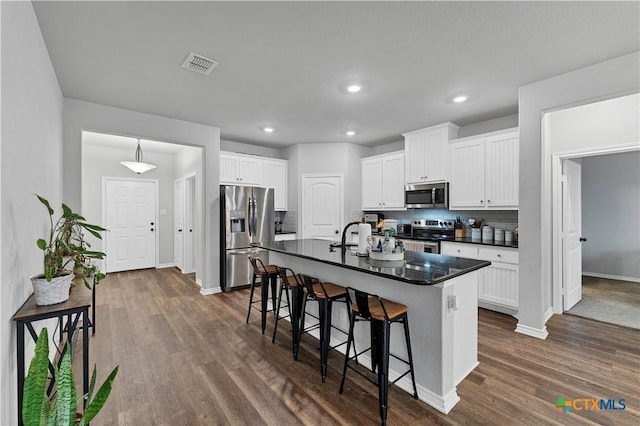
505,219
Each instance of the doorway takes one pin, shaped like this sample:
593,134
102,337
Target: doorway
130,215
322,206
184,214
567,208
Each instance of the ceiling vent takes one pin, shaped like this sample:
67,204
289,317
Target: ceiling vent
200,64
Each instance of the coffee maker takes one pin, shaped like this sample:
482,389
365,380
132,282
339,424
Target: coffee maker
373,219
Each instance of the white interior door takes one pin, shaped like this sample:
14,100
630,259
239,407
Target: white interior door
322,202
178,220
189,259
130,217
572,233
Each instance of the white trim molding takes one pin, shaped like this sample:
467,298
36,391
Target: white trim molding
611,277
199,281
209,291
541,333
165,265
548,314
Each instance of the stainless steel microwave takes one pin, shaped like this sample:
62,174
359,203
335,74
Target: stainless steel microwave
426,196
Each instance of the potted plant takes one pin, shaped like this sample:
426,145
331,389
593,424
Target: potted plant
65,252
38,409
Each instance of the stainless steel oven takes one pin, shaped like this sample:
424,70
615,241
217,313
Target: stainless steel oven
426,196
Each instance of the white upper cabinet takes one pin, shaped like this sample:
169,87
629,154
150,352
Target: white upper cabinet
239,169
427,153
383,182
275,176
484,171
251,170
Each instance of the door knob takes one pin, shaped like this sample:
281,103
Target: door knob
337,232
582,239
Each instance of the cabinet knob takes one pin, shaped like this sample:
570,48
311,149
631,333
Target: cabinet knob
499,255
488,201
481,201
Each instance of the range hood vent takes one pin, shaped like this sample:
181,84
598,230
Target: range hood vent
200,64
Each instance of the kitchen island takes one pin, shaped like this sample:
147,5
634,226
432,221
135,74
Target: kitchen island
441,293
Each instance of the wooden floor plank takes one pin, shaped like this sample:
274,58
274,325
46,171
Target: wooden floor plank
188,359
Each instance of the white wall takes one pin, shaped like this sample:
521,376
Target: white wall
500,123
605,80
611,215
101,161
245,148
31,162
80,115
341,158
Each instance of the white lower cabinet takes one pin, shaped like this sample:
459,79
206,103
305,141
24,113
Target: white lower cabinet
498,283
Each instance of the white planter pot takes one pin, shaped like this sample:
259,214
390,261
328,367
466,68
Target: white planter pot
51,292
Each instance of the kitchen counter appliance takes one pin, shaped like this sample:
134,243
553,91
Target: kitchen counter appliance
426,196
431,232
246,218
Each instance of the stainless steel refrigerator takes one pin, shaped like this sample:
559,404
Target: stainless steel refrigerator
247,217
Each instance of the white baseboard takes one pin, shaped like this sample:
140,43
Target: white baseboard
208,291
611,277
548,314
199,281
539,333
165,265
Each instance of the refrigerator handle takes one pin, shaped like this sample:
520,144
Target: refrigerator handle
250,218
254,217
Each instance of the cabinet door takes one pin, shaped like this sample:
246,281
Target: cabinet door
499,285
502,158
468,251
467,168
372,184
250,170
228,169
415,153
275,176
436,158
393,182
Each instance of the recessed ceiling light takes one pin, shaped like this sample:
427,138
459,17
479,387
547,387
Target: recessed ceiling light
354,88
268,129
350,133
459,99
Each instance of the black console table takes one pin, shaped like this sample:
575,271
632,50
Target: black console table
77,306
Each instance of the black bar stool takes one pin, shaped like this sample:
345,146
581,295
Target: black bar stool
289,281
325,294
268,273
381,313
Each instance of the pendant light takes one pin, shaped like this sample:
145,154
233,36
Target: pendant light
138,166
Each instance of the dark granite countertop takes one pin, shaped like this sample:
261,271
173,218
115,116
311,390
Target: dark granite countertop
417,268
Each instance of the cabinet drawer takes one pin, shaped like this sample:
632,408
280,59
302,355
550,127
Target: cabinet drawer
498,255
468,251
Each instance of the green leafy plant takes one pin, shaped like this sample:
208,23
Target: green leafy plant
66,250
39,410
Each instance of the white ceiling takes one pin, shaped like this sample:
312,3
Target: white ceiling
284,64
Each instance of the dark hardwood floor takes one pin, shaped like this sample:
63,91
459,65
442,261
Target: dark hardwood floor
187,359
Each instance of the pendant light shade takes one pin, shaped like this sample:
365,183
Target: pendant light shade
138,166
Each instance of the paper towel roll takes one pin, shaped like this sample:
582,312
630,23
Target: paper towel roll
364,232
